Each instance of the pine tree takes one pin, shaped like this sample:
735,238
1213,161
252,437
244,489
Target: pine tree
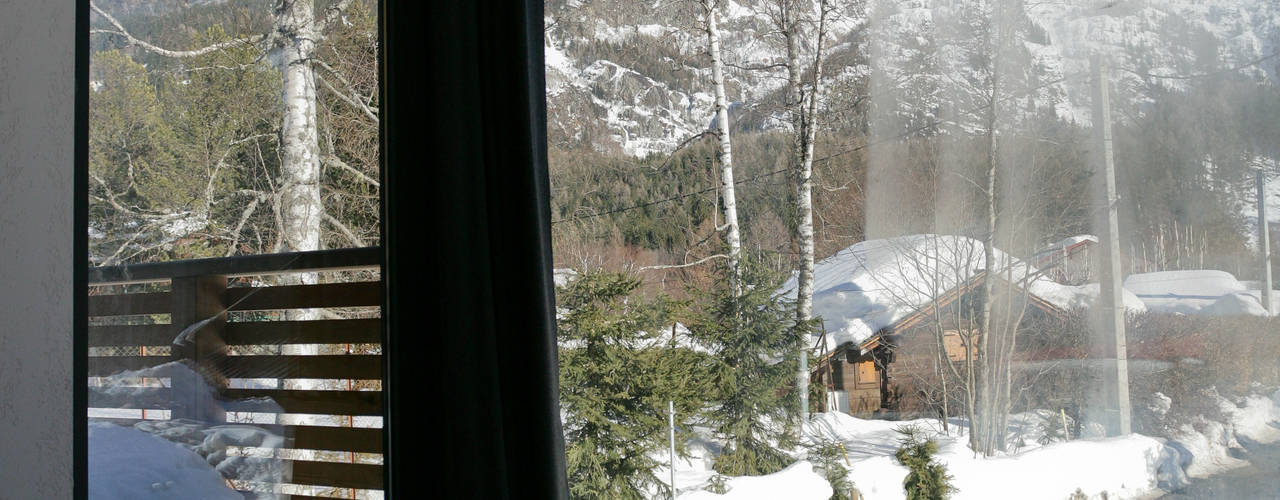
927,479
829,459
615,418
754,351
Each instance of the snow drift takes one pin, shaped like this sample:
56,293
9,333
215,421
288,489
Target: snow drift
1195,292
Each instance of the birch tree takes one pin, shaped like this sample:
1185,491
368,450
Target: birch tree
289,46
732,237
297,29
789,19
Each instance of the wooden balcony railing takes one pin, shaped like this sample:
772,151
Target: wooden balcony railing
127,332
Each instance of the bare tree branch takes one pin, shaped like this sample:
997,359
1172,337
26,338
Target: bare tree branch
121,31
678,266
244,216
349,100
346,231
756,67
345,82
333,160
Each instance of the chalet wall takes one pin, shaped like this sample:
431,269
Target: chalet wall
912,379
860,379
37,82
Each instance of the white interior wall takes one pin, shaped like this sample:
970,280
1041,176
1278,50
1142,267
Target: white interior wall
37,82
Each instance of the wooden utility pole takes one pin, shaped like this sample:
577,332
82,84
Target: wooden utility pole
1264,241
1111,303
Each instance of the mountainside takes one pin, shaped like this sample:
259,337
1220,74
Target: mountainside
633,77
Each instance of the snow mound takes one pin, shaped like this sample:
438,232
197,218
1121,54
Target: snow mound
796,482
1257,420
1124,467
1204,292
1209,444
129,464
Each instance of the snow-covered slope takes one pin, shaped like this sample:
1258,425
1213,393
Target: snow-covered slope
632,76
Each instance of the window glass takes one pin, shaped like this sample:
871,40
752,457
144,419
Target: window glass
803,239
235,292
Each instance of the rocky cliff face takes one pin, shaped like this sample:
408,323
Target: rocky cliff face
631,76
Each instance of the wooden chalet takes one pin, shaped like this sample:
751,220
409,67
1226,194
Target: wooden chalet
879,376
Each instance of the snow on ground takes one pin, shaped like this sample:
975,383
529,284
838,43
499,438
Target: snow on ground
129,464
188,389
796,482
1209,445
1195,292
563,275
1125,467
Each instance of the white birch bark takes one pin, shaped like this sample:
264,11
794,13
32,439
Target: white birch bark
985,429
804,207
726,146
786,23
299,137
300,207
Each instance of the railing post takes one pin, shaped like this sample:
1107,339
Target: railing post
195,299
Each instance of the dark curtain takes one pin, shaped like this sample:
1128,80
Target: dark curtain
471,352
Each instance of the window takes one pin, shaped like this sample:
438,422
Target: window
235,294
866,373
1002,225
954,344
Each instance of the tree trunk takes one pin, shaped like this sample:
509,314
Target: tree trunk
726,146
299,138
804,198
988,268
299,203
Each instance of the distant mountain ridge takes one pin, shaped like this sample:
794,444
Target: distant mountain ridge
632,77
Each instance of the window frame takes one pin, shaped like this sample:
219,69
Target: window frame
507,149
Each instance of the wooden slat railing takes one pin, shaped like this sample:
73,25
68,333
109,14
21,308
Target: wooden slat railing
198,290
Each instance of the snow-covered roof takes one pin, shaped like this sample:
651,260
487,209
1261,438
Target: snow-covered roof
1079,296
874,284
1063,248
1196,292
